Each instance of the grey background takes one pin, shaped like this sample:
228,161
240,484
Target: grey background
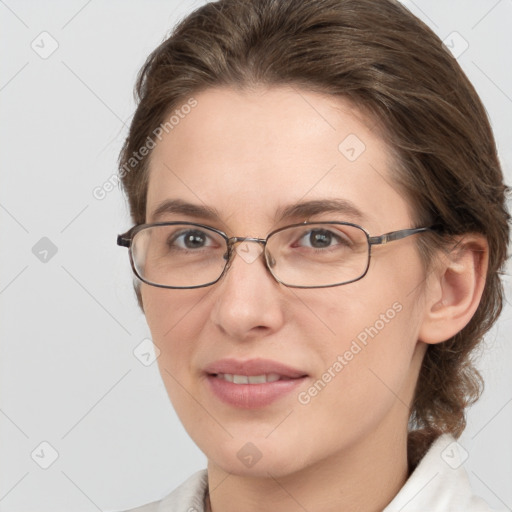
69,321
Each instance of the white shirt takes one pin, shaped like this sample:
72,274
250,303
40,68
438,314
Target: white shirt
438,484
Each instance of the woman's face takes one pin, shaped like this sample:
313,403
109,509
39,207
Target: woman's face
249,156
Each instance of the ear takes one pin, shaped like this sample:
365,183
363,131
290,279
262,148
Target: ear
454,288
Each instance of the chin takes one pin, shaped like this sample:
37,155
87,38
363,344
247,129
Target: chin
259,458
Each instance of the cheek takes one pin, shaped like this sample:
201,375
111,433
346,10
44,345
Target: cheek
374,332
367,331
165,309
175,319
365,374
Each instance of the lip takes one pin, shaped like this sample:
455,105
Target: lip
253,367
252,396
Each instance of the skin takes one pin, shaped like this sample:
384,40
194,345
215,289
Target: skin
247,154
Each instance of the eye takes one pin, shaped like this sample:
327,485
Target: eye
322,238
190,239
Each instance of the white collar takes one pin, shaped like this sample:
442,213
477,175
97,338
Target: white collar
439,483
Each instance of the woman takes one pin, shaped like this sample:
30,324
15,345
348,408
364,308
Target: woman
319,225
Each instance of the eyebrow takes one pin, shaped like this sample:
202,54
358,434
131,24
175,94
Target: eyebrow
297,210
178,206
319,206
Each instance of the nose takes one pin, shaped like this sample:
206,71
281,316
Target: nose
247,301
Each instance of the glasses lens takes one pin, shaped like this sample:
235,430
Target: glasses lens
178,255
318,254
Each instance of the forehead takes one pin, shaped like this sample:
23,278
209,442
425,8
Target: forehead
242,152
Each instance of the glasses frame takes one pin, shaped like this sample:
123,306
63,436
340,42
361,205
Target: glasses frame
125,240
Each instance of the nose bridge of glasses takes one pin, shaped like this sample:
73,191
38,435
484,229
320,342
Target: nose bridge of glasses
239,239
246,253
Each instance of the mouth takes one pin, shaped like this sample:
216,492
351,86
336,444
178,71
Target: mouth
252,384
250,379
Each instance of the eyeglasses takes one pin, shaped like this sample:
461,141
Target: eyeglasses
307,255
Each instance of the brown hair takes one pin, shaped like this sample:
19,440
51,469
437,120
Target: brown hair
388,63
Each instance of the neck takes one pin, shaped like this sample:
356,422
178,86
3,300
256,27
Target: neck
364,477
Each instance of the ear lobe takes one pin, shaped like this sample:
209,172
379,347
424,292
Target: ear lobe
454,289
